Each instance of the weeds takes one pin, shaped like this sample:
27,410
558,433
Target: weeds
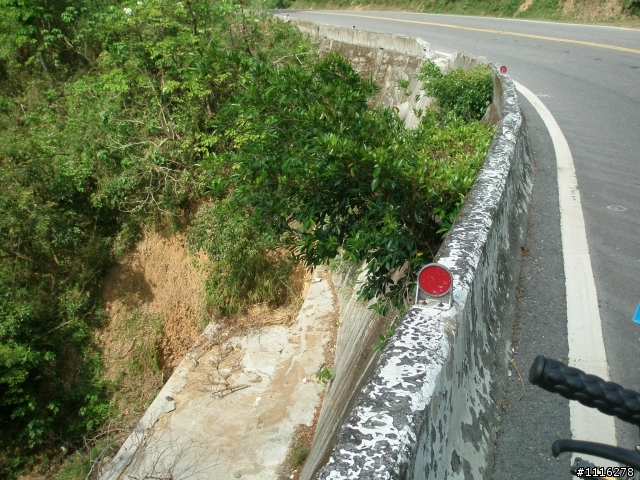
324,375
384,338
299,455
246,267
461,93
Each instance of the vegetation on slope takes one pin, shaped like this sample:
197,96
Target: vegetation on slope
565,10
321,174
116,116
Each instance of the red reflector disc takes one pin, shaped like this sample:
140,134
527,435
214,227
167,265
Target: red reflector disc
503,69
434,280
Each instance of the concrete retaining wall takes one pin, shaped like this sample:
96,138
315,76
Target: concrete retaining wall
386,59
355,359
431,406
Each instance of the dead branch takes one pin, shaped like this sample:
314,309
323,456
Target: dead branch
74,49
145,142
513,364
165,458
18,255
293,55
229,390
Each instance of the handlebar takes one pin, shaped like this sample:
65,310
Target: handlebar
590,390
615,454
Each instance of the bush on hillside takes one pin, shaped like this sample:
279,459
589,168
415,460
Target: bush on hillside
632,6
463,93
316,170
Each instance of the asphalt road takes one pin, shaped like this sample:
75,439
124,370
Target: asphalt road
589,78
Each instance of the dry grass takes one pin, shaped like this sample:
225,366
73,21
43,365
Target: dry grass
154,300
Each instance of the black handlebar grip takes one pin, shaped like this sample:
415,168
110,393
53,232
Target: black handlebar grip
630,458
590,390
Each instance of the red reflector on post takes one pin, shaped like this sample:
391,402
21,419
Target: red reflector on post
434,280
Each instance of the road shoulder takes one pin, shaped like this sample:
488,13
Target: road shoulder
532,418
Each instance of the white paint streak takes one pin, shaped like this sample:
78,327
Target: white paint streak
586,344
379,436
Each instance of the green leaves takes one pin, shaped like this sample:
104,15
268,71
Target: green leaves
317,170
245,267
632,6
147,109
324,375
376,178
465,94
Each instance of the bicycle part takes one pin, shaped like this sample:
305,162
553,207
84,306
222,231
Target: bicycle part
590,390
615,454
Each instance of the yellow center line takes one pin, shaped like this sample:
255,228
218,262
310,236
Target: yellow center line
488,30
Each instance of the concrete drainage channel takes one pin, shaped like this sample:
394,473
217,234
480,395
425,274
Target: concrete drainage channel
427,407
230,409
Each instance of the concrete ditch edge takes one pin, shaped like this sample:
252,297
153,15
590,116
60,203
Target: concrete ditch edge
431,407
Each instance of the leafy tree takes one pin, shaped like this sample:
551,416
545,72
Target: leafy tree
118,115
53,254
317,170
42,31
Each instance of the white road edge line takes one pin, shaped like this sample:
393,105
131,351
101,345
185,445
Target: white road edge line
586,344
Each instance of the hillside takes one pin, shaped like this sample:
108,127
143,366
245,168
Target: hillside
616,12
221,127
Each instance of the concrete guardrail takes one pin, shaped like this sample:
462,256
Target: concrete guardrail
430,407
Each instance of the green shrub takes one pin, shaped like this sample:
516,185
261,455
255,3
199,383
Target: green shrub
632,6
466,94
452,151
318,171
324,375
299,455
245,267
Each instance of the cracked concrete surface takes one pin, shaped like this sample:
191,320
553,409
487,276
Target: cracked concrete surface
230,410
